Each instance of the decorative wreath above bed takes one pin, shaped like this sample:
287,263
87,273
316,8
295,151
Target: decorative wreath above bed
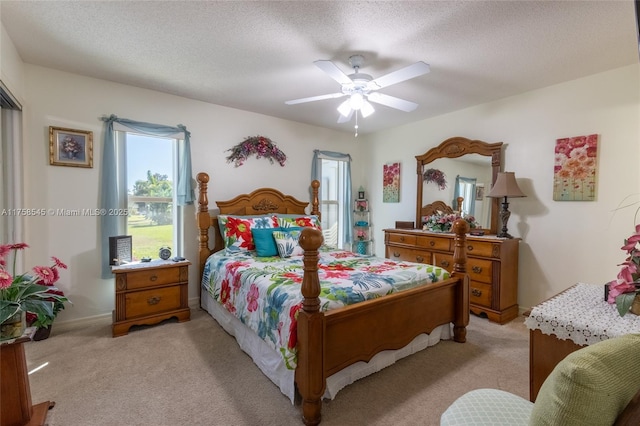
261,146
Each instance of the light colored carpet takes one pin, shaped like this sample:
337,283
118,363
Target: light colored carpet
194,373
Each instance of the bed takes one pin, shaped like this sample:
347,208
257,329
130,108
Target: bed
328,342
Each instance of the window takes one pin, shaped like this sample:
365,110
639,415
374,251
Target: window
333,170
153,220
114,192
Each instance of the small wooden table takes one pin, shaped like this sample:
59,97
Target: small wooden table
577,317
147,293
15,404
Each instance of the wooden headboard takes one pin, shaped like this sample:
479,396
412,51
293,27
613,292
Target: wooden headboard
260,201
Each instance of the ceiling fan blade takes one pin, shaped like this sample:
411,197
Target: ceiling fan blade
343,119
333,71
315,98
406,73
392,101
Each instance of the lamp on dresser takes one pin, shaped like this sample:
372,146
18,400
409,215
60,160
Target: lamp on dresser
505,187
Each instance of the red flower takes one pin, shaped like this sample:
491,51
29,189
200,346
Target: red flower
46,274
293,327
5,279
58,262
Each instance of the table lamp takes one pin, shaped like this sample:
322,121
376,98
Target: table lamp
505,187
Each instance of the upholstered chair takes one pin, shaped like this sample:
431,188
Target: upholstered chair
597,385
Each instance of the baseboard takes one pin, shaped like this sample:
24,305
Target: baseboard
103,319
74,324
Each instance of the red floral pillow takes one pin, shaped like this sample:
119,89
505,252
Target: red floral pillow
303,221
236,230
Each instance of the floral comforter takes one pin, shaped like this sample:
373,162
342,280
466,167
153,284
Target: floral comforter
264,292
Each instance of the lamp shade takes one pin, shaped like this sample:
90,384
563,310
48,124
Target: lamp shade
506,186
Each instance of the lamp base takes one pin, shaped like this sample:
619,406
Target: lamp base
504,218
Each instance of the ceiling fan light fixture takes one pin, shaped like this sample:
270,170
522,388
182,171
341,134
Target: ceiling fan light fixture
367,109
345,108
356,101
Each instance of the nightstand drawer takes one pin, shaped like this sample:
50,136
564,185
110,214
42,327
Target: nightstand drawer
481,248
480,294
402,239
152,278
148,302
480,270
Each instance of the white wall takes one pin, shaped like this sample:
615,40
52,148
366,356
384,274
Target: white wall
61,99
562,242
12,68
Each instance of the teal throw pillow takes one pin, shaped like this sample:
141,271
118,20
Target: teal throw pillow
264,241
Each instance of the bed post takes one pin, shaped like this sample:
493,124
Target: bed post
203,221
315,203
460,228
310,369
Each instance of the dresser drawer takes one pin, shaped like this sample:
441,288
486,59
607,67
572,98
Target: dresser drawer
399,253
402,239
434,243
148,302
153,277
480,294
443,260
480,270
481,248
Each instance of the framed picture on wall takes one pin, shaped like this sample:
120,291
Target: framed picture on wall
70,147
480,192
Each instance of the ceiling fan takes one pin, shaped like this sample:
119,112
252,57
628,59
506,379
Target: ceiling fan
362,88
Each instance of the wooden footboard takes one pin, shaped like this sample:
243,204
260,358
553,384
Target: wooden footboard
327,341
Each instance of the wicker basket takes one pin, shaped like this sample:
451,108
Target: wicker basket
635,307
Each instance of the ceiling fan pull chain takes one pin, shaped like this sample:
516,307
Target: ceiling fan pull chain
356,124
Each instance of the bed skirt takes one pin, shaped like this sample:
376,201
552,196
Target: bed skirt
272,365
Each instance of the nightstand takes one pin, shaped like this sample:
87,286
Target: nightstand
147,293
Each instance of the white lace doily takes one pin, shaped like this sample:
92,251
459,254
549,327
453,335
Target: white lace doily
582,315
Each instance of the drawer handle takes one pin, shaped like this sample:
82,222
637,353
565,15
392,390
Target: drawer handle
396,254
153,277
432,243
154,300
476,292
477,269
470,248
401,238
445,263
419,259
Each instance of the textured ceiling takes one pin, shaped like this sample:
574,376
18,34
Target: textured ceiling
256,55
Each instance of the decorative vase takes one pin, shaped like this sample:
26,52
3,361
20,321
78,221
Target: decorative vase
14,326
361,247
635,306
42,333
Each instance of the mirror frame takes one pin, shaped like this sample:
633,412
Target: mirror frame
453,148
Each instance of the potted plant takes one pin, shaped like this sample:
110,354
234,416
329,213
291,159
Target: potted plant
27,293
626,287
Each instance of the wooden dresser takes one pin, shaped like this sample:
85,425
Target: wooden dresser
147,293
492,265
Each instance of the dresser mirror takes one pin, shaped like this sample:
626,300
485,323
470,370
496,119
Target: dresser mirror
470,167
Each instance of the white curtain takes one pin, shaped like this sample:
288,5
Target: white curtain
11,185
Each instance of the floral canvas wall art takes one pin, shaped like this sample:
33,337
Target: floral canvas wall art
574,177
391,183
